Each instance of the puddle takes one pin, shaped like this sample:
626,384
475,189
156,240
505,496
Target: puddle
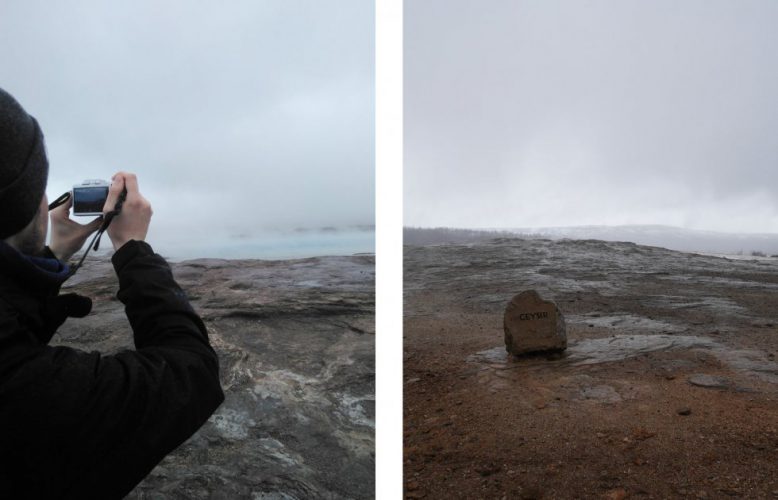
718,305
591,351
620,347
754,362
709,381
496,362
628,322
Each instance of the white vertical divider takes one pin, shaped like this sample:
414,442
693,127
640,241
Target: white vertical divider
389,251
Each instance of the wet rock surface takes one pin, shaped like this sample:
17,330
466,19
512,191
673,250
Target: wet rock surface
296,345
668,386
709,381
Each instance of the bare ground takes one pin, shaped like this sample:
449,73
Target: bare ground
668,389
295,340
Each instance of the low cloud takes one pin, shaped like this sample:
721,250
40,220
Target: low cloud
247,116
522,114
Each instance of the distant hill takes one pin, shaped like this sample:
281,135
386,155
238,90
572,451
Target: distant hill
673,238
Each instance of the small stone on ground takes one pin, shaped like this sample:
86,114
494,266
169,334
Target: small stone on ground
709,381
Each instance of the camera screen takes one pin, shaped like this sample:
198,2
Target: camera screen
89,200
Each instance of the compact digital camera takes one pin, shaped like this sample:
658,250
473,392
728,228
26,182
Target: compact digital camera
89,197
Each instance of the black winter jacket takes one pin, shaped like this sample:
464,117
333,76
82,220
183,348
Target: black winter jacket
82,425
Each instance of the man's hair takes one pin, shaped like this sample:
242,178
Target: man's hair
24,168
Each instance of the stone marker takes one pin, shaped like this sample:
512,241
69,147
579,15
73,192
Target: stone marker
532,324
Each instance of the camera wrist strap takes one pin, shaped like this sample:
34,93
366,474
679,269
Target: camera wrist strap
107,219
59,201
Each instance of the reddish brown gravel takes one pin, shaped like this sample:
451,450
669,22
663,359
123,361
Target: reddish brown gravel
618,421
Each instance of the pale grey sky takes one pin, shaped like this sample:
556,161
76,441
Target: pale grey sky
559,113
237,116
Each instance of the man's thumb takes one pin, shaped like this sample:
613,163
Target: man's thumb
117,186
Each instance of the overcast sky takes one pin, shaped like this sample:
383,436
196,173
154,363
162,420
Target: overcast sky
560,113
237,116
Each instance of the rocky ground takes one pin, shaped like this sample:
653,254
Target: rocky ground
668,387
296,344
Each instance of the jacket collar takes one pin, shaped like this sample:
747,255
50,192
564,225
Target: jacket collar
31,285
41,276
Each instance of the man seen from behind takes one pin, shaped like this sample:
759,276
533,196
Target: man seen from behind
77,424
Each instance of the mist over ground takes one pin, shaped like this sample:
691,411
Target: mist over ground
672,238
607,112
244,121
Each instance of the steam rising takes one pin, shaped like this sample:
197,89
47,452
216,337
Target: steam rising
563,113
239,118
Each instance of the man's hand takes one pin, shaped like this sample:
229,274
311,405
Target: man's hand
133,221
67,235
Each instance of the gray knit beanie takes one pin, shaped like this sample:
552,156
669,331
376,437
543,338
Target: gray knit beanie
24,168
